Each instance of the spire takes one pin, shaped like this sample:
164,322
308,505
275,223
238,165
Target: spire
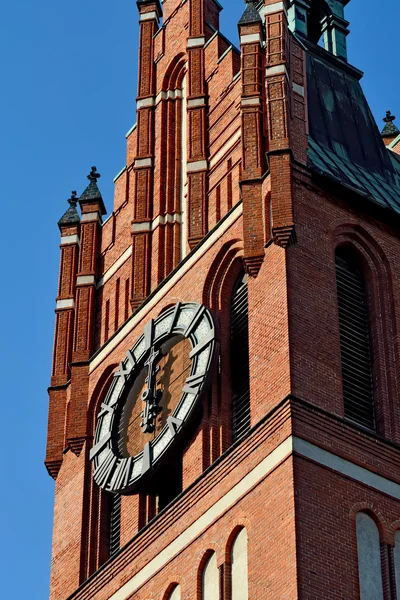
390,130
71,216
251,14
92,192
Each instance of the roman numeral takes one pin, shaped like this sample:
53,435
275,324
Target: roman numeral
147,458
104,472
175,315
106,408
174,425
97,448
149,334
122,372
131,359
195,319
199,347
122,473
193,382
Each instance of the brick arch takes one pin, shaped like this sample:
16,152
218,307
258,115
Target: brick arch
238,524
378,275
98,396
349,231
369,508
213,548
171,587
394,528
217,291
204,555
222,274
174,72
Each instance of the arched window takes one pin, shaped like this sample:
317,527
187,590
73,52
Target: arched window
115,524
175,594
240,359
369,558
354,340
240,586
210,579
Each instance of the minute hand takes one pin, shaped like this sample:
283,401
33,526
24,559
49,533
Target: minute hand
148,395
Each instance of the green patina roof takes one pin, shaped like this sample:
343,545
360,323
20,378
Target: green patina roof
345,144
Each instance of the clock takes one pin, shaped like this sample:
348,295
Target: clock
153,397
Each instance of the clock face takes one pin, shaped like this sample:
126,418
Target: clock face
153,396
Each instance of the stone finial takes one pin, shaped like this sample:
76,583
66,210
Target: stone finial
71,216
73,200
93,175
92,192
390,130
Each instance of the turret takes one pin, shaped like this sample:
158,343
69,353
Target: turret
69,225
253,151
92,208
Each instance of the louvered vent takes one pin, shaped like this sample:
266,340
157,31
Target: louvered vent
240,360
115,524
354,342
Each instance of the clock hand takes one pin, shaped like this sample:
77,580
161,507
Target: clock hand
150,396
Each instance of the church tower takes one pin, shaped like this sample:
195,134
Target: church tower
224,418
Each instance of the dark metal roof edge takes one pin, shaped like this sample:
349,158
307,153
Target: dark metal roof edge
333,60
385,210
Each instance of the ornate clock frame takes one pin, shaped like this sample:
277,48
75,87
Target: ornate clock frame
115,472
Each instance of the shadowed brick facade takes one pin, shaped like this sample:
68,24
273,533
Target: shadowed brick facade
263,159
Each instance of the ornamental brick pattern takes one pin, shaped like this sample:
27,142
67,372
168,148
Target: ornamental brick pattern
217,181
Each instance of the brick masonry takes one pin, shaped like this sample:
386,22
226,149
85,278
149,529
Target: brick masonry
283,227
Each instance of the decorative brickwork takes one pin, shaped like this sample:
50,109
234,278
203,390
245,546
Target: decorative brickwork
225,172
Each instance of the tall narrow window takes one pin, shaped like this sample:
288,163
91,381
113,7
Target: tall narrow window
116,315
229,184
240,359
354,341
240,586
115,524
107,322
369,558
183,191
210,579
127,291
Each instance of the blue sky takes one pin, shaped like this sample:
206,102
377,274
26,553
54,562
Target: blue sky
68,78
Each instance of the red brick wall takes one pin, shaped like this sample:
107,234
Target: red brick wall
322,223
326,506
293,514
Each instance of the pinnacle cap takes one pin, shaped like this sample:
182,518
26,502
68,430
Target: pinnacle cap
71,215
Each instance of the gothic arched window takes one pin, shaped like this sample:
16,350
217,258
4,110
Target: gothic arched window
240,359
239,577
369,558
354,340
210,579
